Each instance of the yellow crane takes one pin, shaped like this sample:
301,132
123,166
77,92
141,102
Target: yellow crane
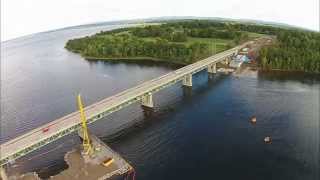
87,147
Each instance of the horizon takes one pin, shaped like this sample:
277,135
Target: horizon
150,19
20,17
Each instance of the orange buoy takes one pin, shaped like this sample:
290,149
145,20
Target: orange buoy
267,139
253,120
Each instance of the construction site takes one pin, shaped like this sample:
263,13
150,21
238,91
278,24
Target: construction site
93,160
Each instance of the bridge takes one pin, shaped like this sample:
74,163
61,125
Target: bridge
41,136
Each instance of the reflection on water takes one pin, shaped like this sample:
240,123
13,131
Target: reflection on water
198,133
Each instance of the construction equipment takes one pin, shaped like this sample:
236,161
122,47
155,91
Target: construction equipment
107,162
87,147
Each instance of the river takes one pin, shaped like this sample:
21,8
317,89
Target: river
203,133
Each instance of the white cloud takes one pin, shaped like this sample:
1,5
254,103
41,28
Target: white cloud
22,17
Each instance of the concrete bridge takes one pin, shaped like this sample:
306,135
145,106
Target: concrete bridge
39,137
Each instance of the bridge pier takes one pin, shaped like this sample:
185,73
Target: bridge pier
228,59
147,100
187,80
212,68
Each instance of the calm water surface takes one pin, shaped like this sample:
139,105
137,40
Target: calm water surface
201,133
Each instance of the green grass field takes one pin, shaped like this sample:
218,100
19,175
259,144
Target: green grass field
217,45
254,35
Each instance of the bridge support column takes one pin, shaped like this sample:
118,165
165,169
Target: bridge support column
212,68
3,174
187,80
227,60
147,100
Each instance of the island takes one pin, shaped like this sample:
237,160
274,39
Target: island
187,41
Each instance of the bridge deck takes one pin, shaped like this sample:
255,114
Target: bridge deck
37,138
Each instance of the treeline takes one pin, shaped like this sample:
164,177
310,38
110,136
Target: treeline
167,41
111,32
205,29
213,33
126,46
179,31
167,33
229,26
295,50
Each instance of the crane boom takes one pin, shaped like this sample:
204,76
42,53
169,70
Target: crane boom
87,148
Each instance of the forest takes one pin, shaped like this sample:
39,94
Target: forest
187,41
126,46
177,42
294,50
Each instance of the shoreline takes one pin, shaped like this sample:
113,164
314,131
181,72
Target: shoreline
135,60
259,68
176,63
286,71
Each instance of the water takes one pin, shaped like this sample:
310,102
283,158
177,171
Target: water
40,79
203,133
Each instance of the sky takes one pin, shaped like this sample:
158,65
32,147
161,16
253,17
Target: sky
24,17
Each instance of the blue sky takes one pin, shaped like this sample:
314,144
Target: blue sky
23,17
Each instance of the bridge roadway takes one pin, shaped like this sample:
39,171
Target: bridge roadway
33,140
